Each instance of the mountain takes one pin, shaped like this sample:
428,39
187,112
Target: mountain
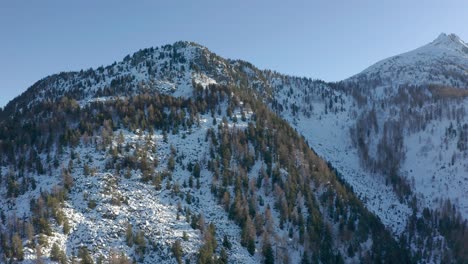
421,96
175,153
410,127
444,61
172,155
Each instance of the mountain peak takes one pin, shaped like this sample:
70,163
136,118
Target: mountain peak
443,61
451,41
184,43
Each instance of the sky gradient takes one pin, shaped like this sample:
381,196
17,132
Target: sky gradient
329,40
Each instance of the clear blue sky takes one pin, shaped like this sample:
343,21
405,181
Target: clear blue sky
327,39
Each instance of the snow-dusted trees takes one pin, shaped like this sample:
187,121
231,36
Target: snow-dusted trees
389,144
57,254
84,255
279,202
288,173
118,258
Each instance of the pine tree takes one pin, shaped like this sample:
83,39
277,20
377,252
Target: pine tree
39,259
223,257
248,236
171,163
66,227
268,253
84,255
226,243
55,253
129,235
177,251
17,246
196,170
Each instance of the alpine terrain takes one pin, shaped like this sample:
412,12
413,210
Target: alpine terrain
177,155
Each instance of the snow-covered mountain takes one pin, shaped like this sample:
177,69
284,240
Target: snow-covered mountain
443,61
422,94
410,126
173,155
122,142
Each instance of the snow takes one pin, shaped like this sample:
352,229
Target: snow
430,64
149,210
329,138
144,208
429,152
203,80
429,166
328,135
166,76
428,163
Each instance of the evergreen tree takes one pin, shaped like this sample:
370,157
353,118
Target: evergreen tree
177,251
226,243
268,253
55,252
83,254
17,246
129,235
58,255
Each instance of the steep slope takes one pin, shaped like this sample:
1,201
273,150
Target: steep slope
371,129
411,128
310,106
420,96
398,142
168,156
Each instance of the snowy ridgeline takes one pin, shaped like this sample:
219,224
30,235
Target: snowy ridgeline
444,61
166,69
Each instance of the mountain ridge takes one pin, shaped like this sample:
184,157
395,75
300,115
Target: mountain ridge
451,41
443,43
444,61
165,85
